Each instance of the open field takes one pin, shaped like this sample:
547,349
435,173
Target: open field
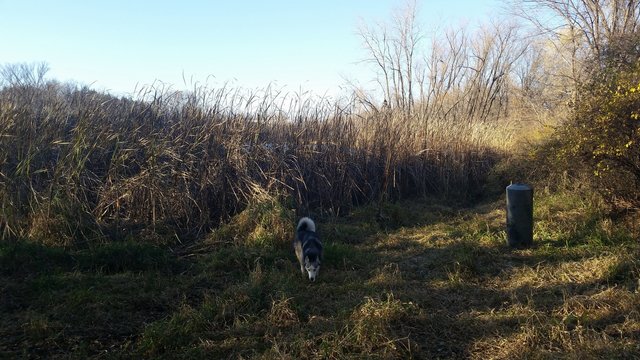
425,280
159,224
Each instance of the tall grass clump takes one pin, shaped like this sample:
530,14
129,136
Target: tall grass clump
77,165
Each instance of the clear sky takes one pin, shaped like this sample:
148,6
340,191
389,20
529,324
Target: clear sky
117,44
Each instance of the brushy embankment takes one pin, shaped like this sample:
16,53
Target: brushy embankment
417,280
78,166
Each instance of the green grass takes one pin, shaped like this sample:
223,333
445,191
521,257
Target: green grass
422,280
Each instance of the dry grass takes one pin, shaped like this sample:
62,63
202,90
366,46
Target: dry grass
434,282
81,171
78,166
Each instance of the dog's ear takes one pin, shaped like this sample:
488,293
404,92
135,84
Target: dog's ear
306,259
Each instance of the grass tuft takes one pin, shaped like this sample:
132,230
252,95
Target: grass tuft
266,223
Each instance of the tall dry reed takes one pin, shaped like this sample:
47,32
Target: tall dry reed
79,165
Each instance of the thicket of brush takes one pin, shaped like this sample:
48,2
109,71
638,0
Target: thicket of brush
79,165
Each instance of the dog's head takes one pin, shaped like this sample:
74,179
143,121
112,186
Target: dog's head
312,265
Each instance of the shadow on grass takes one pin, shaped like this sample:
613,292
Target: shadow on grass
55,302
434,286
23,258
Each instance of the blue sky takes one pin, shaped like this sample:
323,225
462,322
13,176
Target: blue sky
118,44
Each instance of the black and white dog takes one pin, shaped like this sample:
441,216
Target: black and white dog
308,247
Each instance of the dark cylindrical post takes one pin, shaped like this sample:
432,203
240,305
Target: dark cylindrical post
519,215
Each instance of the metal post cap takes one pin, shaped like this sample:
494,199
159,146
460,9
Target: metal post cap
518,187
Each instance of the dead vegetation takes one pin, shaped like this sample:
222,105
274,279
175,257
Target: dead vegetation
439,282
81,167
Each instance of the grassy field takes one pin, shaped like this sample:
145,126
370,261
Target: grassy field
423,280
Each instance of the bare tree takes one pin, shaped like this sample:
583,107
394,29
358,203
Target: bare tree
467,77
23,74
586,27
392,50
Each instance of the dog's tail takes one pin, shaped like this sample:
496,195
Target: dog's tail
306,224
